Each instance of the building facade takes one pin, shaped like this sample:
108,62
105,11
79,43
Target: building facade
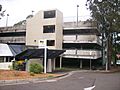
80,40
13,35
45,25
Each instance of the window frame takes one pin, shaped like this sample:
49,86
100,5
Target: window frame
49,29
49,14
50,42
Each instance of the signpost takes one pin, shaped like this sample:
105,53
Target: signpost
42,44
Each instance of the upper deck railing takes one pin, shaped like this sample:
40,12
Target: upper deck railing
20,28
70,22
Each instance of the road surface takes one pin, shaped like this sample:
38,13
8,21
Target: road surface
76,81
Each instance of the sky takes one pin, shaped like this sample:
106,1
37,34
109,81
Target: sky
18,10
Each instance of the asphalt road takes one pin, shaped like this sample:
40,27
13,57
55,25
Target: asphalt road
76,81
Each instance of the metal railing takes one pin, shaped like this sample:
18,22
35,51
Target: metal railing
81,39
20,28
83,21
12,40
94,54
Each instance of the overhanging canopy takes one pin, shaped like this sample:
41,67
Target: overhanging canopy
10,50
38,53
5,50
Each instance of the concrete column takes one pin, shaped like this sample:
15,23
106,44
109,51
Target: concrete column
90,64
9,59
53,63
4,59
60,62
27,65
80,64
49,65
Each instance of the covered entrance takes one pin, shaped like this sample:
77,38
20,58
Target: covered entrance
38,55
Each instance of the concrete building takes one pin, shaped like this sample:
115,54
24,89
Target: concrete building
45,25
44,30
13,35
80,40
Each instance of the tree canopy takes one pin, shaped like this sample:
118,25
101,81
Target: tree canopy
107,15
0,7
2,13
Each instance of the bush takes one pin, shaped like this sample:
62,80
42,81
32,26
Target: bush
19,65
15,65
36,68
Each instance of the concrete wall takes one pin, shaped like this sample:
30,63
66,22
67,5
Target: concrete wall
33,61
5,65
50,64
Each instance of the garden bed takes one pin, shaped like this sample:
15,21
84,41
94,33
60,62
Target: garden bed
12,75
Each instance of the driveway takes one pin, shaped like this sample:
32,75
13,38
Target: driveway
76,81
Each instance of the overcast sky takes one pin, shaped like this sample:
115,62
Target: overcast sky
18,10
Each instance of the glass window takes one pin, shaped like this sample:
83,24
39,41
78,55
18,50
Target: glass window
50,42
49,29
49,14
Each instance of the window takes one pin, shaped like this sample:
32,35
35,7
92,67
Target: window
50,42
49,29
49,14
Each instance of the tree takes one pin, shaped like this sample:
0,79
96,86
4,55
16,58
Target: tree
23,22
107,15
1,12
0,7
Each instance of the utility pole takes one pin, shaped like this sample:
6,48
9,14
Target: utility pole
32,12
77,14
7,20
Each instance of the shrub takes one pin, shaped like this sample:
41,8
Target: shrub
36,68
15,65
19,65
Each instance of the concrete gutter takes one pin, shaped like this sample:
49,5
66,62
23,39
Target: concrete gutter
50,79
32,80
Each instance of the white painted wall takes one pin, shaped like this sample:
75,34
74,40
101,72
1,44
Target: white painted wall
5,65
33,61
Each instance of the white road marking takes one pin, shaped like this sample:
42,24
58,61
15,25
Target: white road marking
53,80
89,88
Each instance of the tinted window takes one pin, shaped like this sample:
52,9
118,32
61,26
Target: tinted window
49,14
49,29
50,42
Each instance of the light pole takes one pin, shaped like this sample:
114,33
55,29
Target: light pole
77,14
32,12
7,20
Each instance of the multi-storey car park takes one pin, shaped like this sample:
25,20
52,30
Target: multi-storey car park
79,40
